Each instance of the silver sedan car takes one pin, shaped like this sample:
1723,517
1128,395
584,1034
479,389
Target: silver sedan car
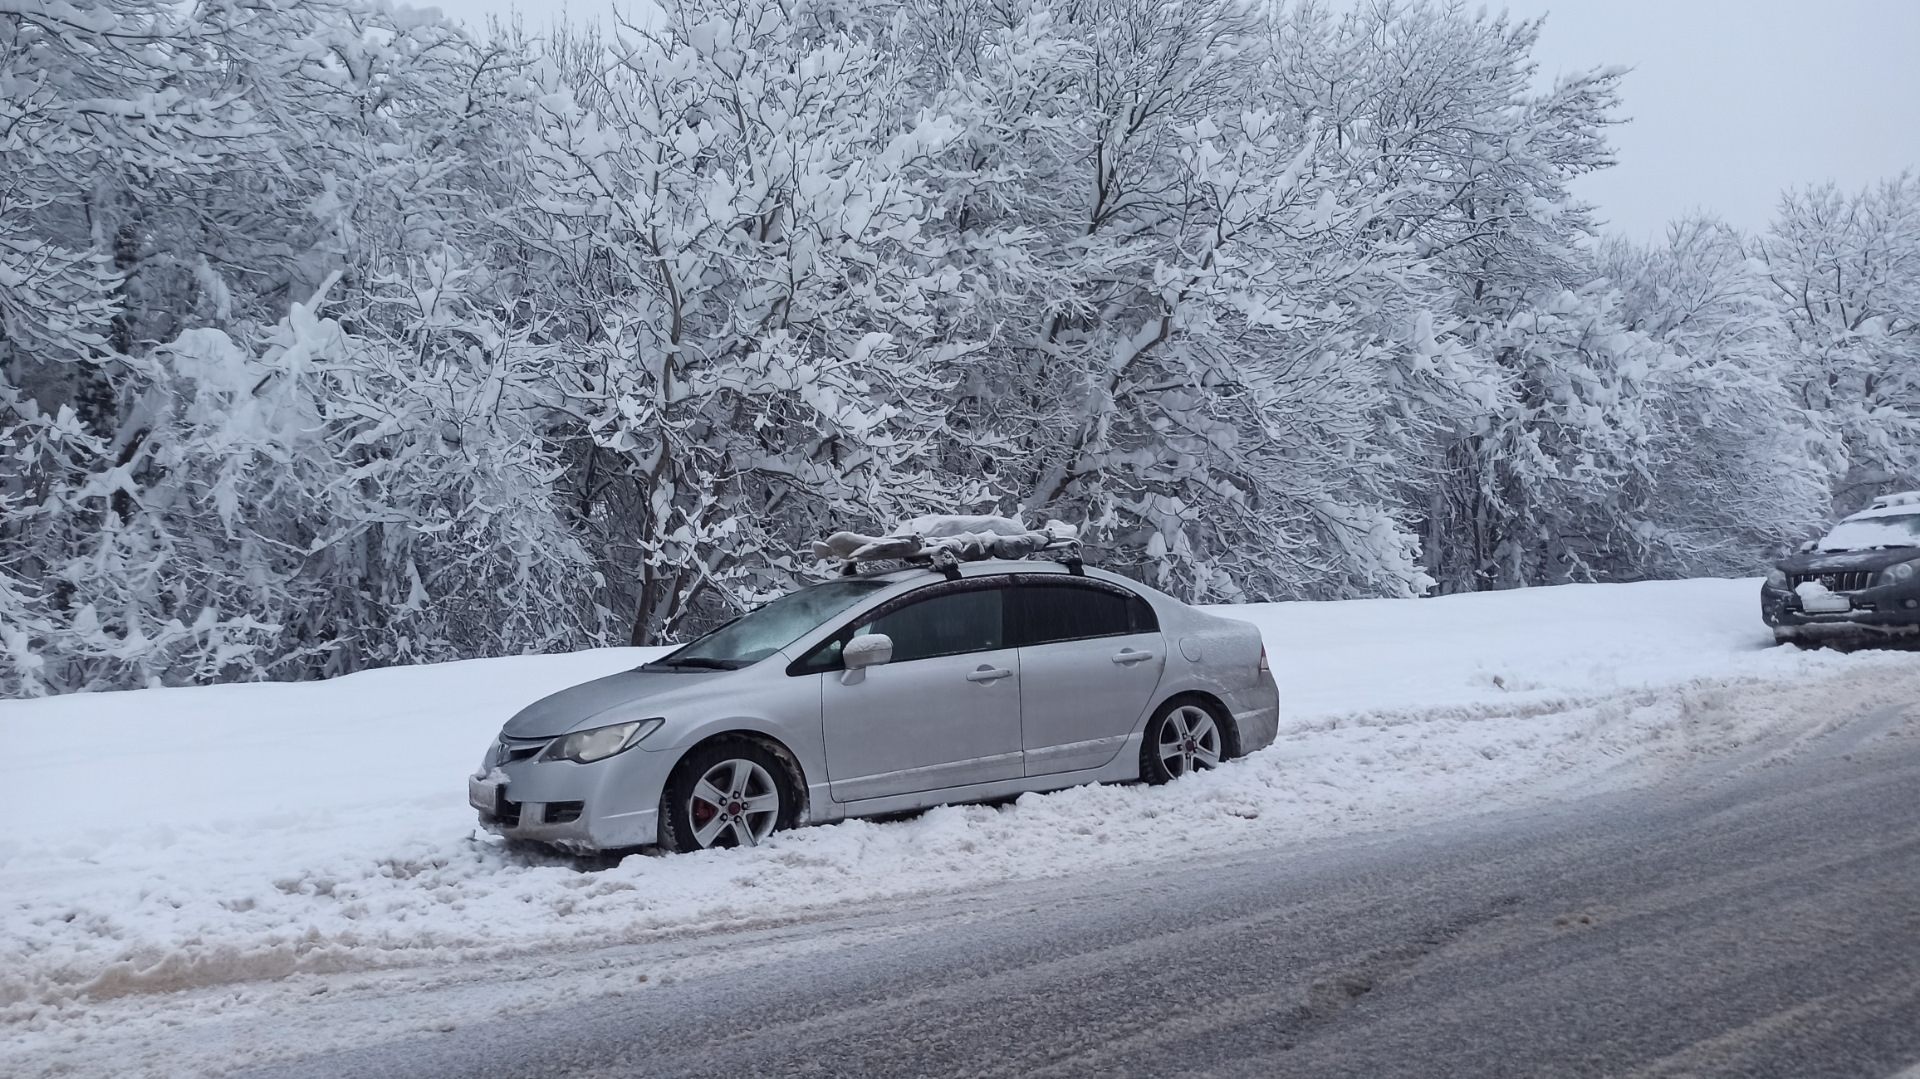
878,694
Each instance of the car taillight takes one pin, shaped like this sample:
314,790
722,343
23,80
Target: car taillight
1263,659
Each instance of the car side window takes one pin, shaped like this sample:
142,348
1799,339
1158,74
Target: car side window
948,619
1044,613
945,625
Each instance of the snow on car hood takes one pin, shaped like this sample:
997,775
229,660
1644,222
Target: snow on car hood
1840,561
1891,526
561,712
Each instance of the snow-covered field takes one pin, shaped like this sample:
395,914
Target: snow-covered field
176,838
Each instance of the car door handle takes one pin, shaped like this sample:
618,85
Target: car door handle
1131,656
988,674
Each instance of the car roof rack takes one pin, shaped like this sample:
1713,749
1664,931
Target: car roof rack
1904,498
941,542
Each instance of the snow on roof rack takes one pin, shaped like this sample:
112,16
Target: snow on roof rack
1904,498
943,541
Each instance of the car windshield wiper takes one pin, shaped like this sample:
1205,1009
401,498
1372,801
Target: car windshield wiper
700,663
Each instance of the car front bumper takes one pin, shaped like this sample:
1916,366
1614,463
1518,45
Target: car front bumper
579,808
1841,630
1882,612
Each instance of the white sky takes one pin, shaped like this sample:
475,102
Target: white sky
1730,101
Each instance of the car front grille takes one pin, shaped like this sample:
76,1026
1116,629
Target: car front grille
513,751
1852,580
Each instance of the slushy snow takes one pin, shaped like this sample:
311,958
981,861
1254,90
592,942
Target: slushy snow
241,834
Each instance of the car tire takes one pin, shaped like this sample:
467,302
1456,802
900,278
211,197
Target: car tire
728,793
1186,734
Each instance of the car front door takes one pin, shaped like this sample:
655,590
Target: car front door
1091,656
944,712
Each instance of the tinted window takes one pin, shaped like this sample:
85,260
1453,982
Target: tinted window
1072,612
944,625
1141,615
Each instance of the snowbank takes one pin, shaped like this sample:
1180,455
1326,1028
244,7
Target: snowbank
180,837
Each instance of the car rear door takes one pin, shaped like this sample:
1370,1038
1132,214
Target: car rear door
945,712
1091,656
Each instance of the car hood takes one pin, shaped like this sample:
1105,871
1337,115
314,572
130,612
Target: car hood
1841,561
561,712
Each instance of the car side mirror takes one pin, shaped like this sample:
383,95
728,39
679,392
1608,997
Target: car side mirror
868,651
1807,546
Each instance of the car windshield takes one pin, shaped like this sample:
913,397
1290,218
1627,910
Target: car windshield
1894,530
767,629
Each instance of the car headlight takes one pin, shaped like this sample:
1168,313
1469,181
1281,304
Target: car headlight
1777,579
585,747
1901,573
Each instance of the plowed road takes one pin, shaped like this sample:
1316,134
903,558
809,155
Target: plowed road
1759,924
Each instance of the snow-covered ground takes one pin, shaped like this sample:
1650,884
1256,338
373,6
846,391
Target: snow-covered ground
176,838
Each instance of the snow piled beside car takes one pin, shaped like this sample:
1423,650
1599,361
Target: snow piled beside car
170,838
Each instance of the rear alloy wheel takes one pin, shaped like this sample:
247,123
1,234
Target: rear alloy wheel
1182,738
729,794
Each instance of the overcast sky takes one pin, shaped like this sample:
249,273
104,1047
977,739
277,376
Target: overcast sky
1730,100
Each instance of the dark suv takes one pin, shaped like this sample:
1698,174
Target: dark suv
1861,582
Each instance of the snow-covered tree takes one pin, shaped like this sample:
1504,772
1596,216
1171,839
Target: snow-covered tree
1846,270
204,476
95,96
735,212
1432,106
1737,468
1188,331
332,335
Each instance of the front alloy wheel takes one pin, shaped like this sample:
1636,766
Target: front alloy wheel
736,799
725,795
1184,737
